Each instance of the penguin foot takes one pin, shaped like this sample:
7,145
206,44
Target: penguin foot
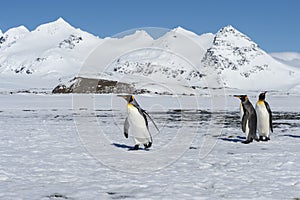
261,138
148,145
246,141
264,139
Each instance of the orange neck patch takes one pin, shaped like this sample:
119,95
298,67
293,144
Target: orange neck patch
129,105
261,102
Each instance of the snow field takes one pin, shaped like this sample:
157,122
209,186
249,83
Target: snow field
42,156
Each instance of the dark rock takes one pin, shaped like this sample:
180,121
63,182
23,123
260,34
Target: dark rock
90,85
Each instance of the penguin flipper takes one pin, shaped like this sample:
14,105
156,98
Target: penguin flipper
144,114
270,116
151,119
126,127
244,120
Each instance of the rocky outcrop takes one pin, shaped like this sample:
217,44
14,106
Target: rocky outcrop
90,85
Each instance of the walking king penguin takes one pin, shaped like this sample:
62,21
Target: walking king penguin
249,119
137,123
264,118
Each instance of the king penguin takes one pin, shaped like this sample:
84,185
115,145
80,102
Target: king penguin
137,122
264,118
249,119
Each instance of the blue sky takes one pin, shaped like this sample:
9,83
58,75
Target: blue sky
274,25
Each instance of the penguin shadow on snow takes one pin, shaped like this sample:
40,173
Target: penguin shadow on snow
231,139
292,136
129,148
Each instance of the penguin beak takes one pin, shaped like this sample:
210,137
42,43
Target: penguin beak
122,96
237,96
127,98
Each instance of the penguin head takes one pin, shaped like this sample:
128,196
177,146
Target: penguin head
128,98
262,96
243,98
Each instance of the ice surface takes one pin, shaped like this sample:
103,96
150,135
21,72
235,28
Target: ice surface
43,157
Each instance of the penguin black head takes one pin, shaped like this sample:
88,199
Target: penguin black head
243,98
128,98
262,96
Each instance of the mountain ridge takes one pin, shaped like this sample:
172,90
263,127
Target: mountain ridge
59,52
237,59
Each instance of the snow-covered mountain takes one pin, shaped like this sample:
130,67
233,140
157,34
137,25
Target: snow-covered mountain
179,61
169,64
52,51
242,64
12,36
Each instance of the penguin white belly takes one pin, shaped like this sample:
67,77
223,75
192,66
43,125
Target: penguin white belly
137,126
263,124
247,129
241,112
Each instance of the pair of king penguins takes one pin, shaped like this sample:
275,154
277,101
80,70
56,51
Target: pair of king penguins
258,119
137,123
